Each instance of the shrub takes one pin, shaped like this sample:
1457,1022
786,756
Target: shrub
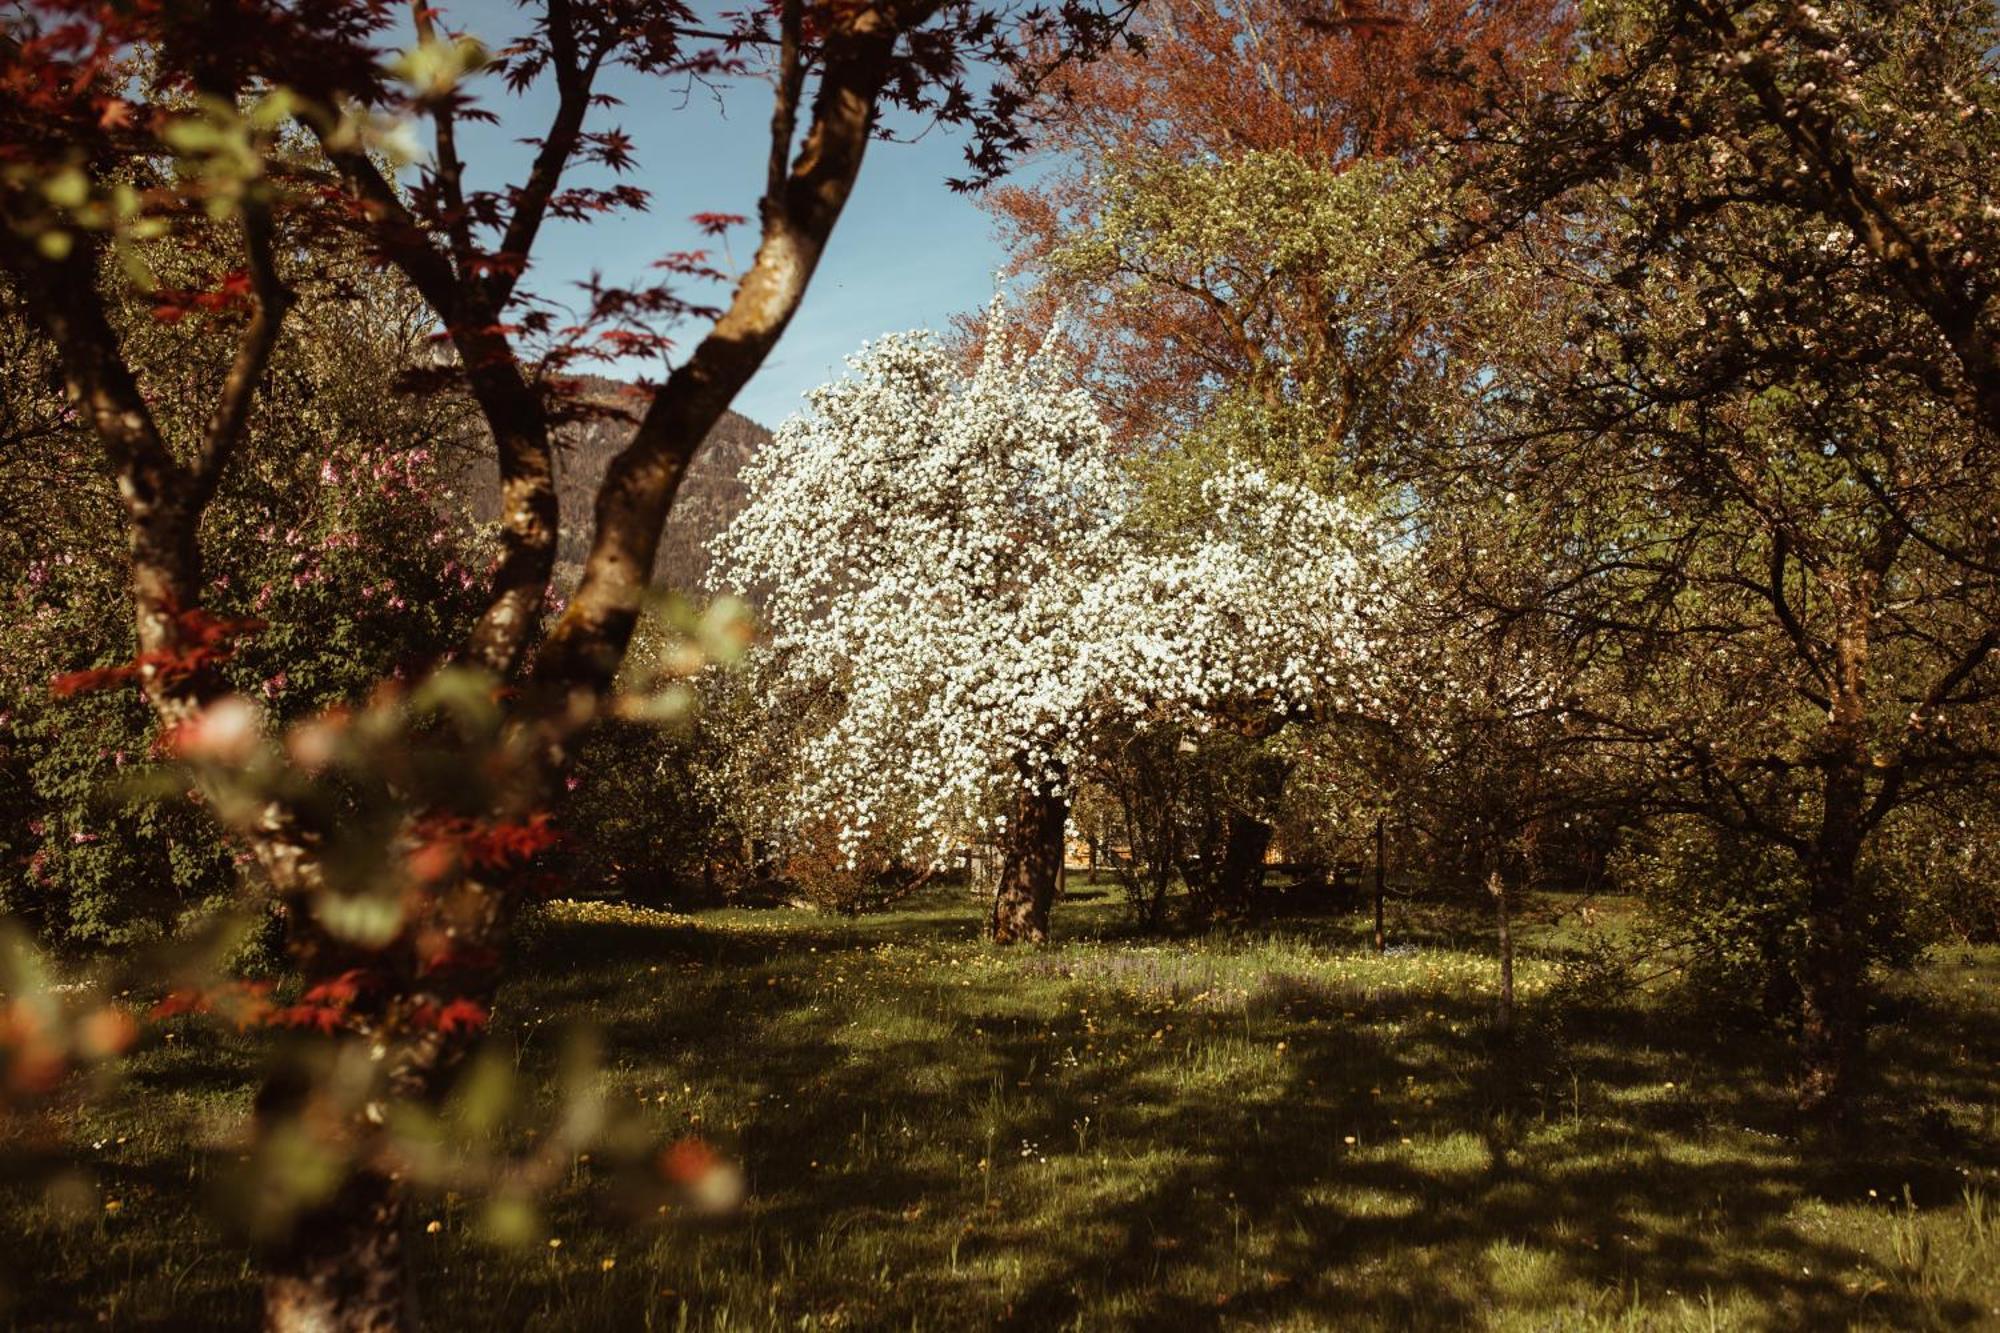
336,586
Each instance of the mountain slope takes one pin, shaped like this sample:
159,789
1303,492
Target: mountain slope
710,495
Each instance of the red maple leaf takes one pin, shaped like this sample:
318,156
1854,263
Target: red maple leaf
461,1015
717,223
325,1017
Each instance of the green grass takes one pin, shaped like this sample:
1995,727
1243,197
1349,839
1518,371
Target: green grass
1269,1129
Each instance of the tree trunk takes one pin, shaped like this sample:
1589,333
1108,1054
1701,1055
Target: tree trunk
1497,886
1833,1017
344,1269
1242,870
1381,936
1248,838
1033,863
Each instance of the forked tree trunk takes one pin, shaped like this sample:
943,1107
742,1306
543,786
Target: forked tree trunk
1033,865
344,1269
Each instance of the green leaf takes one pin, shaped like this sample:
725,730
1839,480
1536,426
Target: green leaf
67,188
192,136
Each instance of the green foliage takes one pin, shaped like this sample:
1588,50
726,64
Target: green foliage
335,530
637,822
1320,272
1943,863
1734,906
645,815
1733,910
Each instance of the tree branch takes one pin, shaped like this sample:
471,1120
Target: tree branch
529,518
582,653
253,353
1842,195
451,168
575,73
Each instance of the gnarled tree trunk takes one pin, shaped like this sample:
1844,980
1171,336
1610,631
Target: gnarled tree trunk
1032,866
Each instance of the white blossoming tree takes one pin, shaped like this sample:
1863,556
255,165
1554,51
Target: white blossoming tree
956,570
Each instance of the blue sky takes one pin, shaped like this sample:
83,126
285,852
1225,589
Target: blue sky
907,253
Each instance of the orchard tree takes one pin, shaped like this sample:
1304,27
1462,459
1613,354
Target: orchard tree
982,592
1755,445
1197,221
125,128
1306,285
1869,123
1244,222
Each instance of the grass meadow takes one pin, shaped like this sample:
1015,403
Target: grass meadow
1267,1129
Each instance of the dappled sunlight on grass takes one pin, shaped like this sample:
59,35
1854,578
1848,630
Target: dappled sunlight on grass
1266,1129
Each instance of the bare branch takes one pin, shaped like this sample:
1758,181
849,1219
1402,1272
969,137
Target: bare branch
451,168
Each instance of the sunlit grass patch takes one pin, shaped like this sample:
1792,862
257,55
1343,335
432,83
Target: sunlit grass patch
1273,1129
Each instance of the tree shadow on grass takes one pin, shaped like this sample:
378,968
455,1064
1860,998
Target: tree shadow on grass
1409,1168
1679,1194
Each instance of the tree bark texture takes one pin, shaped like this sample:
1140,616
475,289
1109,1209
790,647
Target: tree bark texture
343,1268
1033,865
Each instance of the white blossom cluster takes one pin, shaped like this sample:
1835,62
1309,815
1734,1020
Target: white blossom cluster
960,561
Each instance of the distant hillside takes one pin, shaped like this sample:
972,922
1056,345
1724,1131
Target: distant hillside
710,495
